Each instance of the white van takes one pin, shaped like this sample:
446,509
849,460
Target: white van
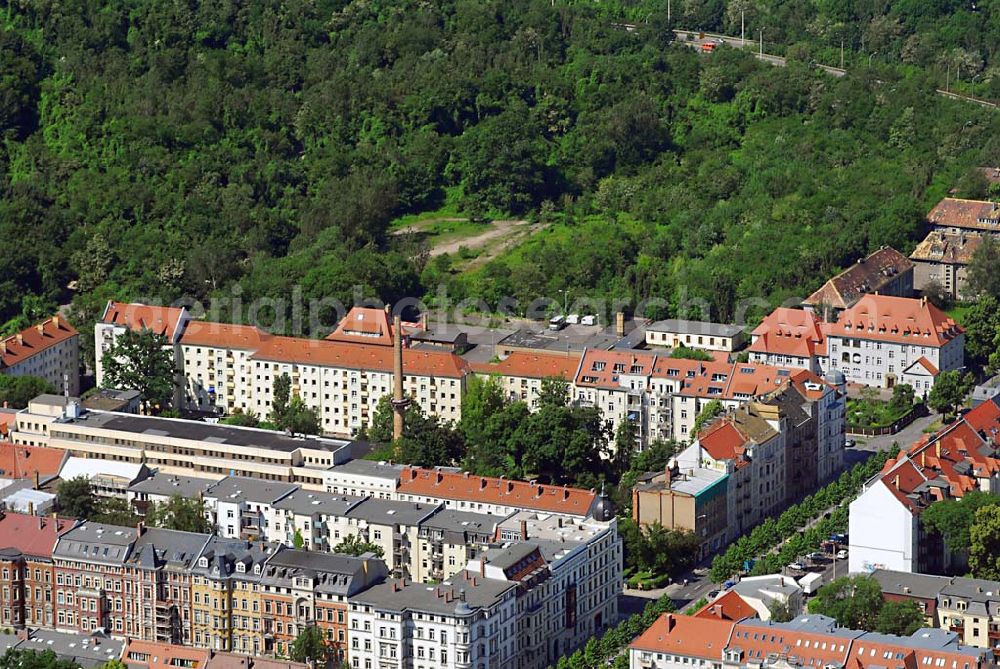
557,322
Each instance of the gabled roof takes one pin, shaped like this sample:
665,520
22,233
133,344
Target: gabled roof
223,335
947,247
533,365
969,214
896,319
868,275
488,490
23,462
135,316
728,606
164,655
603,369
359,356
32,341
920,366
792,332
690,636
33,536
365,325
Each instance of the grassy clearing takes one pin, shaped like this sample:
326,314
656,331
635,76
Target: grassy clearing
450,209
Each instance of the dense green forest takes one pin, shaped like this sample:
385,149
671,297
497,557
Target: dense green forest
160,149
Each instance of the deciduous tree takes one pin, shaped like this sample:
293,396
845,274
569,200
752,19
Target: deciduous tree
139,360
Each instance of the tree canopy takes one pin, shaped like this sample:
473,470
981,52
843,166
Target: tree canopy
140,360
857,602
179,513
17,391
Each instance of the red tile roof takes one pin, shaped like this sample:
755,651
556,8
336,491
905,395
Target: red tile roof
690,636
21,346
32,535
164,655
927,364
792,332
868,275
364,325
161,320
723,441
23,462
969,214
507,492
985,419
729,606
223,335
602,369
356,356
813,649
532,365
896,319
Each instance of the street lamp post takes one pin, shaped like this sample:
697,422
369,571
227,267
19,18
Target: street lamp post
762,41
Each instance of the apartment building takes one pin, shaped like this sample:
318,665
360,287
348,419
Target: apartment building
749,449
498,496
956,215
217,370
468,621
180,447
49,350
675,641
392,525
885,528
447,540
227,597
168,322
790,338
941,261
882,341
241,507
674,333
307,516
618,384
886,272
570,574
521,373
923,589
160,488
343,382
314,589
27,568
364,477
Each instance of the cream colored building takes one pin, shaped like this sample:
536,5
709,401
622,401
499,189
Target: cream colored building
217,369
391,525
970,607
175,446
48,350
521,373
344,382
673,333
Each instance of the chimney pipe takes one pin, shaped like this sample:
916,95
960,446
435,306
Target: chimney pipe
524,530
399,403
482,564
38,477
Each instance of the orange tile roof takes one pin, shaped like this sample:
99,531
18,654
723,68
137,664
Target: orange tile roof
8,417
758,640
508,492
364,325
223,335
868,275
164,655
602,369
34,340
357,356
32,535
23,462
161,320
985,419
723,441
926,364
690,636
896,319
791,332
532,365
970,214
728,606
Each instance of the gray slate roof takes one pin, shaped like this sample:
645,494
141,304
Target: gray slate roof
924,586
391,512
96,542
240,488
308,502
695,328
168,485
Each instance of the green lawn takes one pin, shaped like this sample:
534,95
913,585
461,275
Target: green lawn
958,312
868,412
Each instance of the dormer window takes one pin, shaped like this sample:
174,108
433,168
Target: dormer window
256,569
203,562
241,568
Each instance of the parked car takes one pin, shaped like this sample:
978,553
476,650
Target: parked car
713,594
816,556
842,554
797,566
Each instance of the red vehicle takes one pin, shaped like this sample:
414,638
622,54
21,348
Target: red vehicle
709,46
